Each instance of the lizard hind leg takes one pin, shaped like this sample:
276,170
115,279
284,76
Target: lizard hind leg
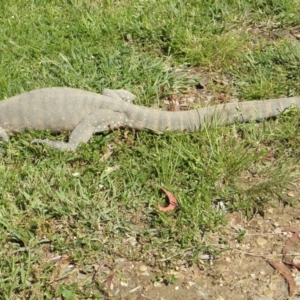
119,94
3,135
96,122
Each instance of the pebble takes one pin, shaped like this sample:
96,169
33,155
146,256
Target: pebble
262,273
278,230
297,279
157,284
261,241
122,283
143,268
268,292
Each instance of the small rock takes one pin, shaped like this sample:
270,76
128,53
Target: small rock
297,279
268,292
261,241
122,283
206,257
262,273
157,284
191,283
291,194
278,230
143,268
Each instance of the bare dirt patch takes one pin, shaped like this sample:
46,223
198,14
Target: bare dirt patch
210,88
240,272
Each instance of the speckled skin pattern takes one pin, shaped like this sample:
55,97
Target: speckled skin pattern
85,113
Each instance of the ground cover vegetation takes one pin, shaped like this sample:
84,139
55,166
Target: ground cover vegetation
88,206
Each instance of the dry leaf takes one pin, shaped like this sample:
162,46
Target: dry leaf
106,155
173,203
109,279
286,273
290,229
294,239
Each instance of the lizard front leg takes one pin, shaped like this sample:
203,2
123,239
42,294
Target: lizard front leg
96,122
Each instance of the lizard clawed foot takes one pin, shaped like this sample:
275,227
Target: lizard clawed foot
55,144
3,135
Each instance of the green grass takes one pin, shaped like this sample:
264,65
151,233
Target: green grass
88,210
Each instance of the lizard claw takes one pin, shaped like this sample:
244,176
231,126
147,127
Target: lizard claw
3,135
55,144
39,141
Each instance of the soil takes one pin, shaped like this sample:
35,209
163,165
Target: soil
240,272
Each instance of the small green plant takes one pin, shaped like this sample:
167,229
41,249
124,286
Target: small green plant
165,278
241,235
